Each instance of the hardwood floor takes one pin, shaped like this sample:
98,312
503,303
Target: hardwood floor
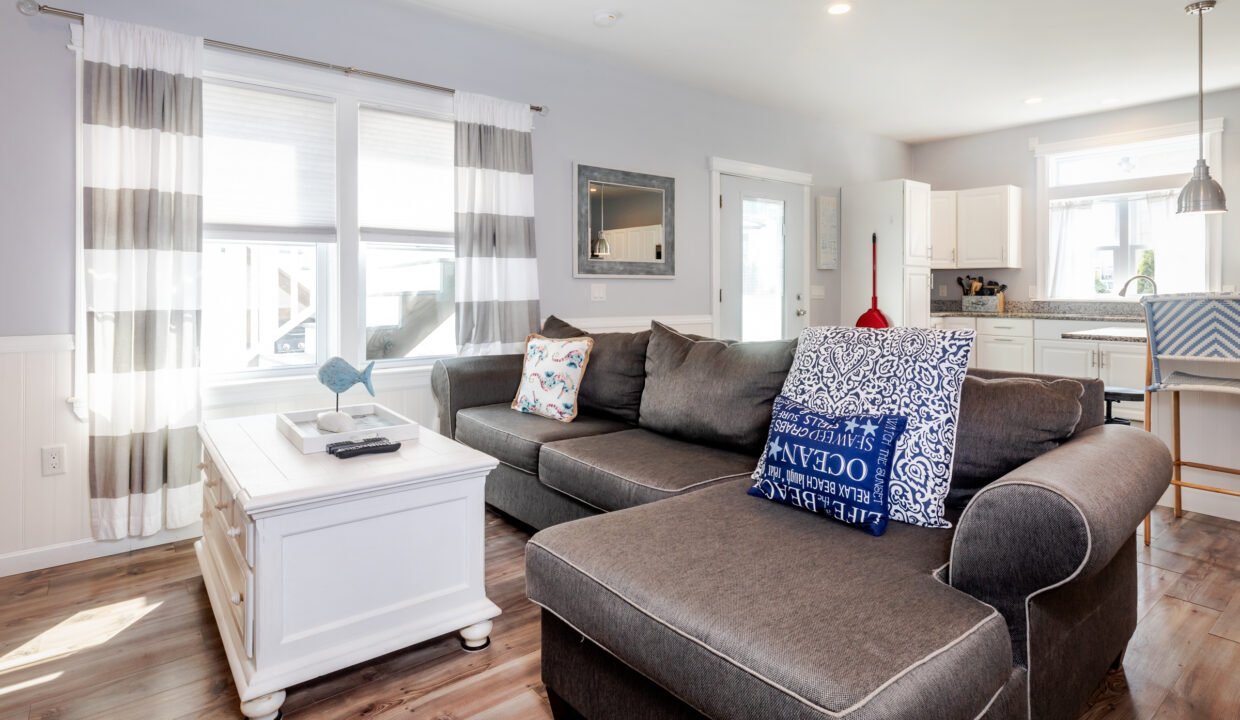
132,636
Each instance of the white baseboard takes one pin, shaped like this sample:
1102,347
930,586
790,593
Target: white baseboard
87,549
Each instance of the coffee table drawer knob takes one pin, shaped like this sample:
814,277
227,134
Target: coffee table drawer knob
234,531
236,598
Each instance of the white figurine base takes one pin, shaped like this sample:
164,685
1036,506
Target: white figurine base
335,421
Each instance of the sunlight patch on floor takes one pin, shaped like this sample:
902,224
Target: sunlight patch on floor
85,629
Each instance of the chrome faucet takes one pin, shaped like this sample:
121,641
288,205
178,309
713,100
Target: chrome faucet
1123,292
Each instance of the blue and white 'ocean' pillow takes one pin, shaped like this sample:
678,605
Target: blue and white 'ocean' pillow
914,372
830,465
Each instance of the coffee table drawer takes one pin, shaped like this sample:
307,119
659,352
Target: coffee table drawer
237,580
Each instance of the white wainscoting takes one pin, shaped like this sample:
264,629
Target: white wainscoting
691,324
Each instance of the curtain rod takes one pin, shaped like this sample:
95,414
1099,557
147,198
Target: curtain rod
31,7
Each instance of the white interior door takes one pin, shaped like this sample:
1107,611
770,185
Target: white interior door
762,292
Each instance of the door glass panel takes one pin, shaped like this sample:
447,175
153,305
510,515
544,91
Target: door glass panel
762,269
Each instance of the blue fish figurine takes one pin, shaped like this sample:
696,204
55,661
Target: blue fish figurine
338,375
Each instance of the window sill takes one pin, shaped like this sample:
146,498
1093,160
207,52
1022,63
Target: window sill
233,391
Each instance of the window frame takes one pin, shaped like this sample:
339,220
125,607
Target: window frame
342,318
1045,194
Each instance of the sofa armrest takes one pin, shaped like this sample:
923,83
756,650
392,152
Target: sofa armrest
464,382
1060,517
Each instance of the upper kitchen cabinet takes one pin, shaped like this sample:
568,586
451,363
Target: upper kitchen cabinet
943,229
988,227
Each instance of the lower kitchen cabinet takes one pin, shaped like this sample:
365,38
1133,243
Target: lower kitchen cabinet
1005,352
1117,364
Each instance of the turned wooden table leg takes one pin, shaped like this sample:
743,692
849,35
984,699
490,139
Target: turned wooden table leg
266,707
477,637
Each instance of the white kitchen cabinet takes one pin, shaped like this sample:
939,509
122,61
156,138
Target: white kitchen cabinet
988,227
1070,358
917,220
1123,365
1005,352
943,229
917,284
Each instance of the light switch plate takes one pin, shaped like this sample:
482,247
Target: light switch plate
598,292
817,292
942,291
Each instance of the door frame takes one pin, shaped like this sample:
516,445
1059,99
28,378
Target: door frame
722,166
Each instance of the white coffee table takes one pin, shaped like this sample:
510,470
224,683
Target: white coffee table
313,564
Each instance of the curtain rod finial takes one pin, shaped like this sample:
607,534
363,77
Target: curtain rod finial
543,110
28,7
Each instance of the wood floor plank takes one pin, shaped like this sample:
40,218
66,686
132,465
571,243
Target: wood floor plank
528,705
1228,624
1152,583
1209,687
1211,586
1164,642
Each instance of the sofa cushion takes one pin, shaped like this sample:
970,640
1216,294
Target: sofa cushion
744,608
716,392
515,438
1005,423
613,386
634,467
916,372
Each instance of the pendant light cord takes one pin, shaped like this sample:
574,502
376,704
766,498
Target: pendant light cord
1201,84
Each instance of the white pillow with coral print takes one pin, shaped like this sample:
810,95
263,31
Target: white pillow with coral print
552,376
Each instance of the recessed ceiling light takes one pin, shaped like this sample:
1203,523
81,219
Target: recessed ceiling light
838,8
606,18
1033,100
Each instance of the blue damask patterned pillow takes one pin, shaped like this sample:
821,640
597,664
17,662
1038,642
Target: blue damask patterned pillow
914,372
836,466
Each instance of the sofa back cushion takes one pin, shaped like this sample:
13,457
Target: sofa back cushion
613,386
714,392
1005,423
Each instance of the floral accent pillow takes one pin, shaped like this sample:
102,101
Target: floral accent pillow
552,376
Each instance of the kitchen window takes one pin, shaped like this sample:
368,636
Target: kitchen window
327,221
1109,212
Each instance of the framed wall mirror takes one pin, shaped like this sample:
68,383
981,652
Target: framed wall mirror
625,224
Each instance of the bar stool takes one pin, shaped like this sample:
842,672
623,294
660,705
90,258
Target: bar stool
1190,327
1113,394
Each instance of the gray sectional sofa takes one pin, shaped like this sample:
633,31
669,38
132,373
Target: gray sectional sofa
677,595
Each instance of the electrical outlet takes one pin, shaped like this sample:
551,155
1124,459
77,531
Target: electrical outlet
1229,288
598,292
53,460
942,291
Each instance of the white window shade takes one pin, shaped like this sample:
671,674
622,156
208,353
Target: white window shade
405,172
269,159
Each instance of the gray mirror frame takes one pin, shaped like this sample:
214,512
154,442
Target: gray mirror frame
586,267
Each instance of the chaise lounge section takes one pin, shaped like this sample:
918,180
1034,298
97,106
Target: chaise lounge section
677,595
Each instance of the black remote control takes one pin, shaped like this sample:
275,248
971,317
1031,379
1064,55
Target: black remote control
367,447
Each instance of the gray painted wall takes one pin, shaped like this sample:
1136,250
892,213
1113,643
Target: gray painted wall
601,114
1003,157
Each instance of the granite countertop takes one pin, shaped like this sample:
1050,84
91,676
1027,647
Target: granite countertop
1088,317
1110,334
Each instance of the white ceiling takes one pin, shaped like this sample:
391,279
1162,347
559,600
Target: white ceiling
911,69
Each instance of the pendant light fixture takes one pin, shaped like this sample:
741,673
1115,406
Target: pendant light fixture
1202,194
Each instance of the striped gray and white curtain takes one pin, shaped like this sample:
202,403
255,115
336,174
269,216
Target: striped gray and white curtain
142,248
496,265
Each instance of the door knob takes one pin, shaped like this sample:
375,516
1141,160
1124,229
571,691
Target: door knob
800,313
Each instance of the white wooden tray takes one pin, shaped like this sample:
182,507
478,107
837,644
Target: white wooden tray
373,420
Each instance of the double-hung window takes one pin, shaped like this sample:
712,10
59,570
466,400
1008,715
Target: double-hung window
1110,213
327,220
